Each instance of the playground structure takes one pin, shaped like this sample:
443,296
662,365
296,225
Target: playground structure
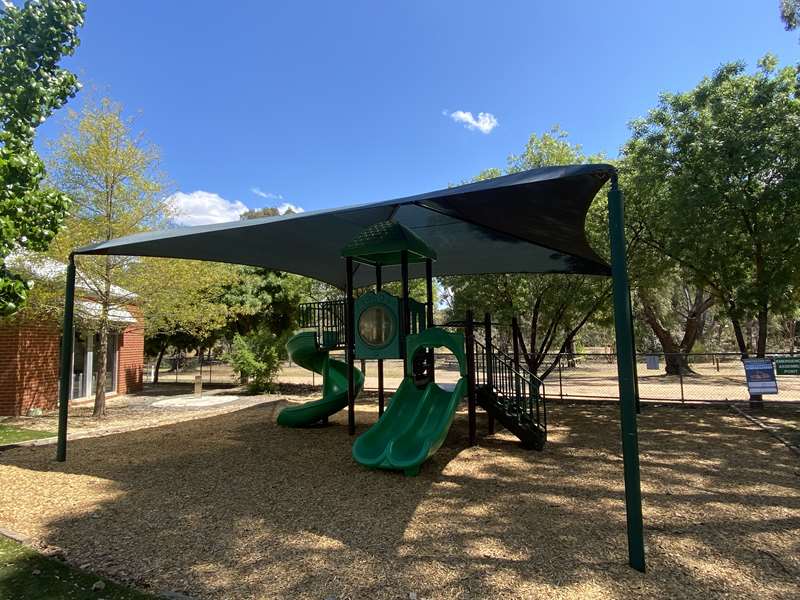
380,326
527,222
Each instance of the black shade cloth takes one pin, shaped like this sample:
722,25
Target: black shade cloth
528,222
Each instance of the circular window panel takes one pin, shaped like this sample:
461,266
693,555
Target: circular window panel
376,326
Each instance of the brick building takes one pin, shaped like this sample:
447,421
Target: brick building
30,355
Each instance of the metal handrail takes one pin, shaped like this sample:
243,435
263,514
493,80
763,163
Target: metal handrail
520,393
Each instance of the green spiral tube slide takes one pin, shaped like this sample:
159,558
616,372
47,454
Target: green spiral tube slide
303,350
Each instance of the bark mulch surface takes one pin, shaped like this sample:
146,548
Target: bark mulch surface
138,411
232,506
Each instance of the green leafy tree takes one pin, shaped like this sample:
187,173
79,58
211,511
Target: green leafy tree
552,309
33,40
790,14
261,297
181,302
262,305
112,176
714,181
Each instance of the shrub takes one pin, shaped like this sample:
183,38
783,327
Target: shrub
255,357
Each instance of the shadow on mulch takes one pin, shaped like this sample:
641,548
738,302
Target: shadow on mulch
234,506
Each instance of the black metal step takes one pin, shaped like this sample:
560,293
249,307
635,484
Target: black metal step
530,435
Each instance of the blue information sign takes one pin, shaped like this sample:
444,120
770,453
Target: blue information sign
760,375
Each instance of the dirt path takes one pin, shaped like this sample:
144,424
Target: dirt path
157,405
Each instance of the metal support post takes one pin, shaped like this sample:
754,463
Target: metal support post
67,342
625,372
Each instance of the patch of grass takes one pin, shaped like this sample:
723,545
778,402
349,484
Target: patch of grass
12,435
24,573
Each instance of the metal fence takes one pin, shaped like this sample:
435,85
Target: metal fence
714,377
182,369
582,376
711,377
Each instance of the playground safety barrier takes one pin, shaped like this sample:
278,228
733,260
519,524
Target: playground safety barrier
327,319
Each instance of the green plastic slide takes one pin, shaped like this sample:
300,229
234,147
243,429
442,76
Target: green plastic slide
416,422
303,350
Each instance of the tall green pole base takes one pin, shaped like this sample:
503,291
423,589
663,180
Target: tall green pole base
626,375
67,340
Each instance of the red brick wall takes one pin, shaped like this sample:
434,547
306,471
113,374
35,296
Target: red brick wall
8,369
130,361
29,357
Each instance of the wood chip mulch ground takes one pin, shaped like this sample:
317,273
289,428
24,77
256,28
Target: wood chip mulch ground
232,506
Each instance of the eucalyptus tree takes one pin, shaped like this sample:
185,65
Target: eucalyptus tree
714,182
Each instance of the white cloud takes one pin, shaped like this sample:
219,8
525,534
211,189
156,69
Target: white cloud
286,206
268,195
204,208
484,123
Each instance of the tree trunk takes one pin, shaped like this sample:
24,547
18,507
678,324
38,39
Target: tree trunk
571,353
675,361
102,353
102,357
695,321
740,341
161,352
761,340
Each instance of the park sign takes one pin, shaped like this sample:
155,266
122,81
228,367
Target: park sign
760,375
787,365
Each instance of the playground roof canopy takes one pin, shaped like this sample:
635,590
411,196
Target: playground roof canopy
527,222
383,244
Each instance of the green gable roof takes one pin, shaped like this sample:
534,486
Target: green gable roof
381,244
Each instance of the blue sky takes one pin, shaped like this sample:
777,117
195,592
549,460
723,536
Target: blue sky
321,104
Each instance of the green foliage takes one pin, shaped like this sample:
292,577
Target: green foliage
790,13
112,175
713,179
261,297
551,308
258,213
32,85
256,357
183,297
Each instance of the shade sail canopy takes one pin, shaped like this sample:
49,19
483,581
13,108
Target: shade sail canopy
527,222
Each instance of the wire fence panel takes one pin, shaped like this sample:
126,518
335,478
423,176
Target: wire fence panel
185,369
712,377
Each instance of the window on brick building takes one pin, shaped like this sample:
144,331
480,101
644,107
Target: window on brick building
84,364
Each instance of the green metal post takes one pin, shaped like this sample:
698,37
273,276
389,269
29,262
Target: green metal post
406,326
635,366
67,340
429,313
350,342
625,372
381,398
